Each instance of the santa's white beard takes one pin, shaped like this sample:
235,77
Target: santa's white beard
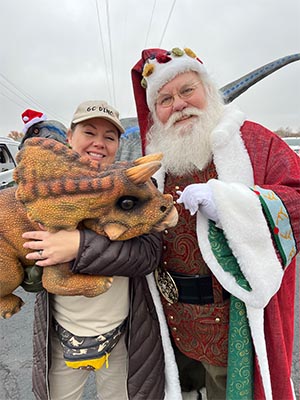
186,147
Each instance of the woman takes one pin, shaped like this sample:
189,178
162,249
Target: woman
135,366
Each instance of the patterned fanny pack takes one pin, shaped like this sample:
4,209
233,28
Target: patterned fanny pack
88,353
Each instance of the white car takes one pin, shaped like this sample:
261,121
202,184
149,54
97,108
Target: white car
293,142
8,152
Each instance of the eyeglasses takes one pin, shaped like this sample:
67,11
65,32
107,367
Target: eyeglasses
185,92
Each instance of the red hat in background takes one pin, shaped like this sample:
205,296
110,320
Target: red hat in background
31,117
152,72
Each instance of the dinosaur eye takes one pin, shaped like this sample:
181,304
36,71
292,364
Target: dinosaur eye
127,203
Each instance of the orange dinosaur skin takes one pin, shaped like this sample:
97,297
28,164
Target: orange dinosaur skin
60,190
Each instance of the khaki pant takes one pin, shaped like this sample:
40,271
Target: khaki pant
68,384
194,375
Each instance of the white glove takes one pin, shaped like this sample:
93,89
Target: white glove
198,196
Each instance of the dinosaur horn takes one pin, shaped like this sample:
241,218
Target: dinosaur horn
141,173
232,90
148,158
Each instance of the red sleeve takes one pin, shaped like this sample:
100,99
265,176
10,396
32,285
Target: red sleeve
276,167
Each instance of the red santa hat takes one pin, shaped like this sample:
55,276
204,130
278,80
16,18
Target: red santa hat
152,72
31,117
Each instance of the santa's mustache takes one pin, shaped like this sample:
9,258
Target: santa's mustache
187,112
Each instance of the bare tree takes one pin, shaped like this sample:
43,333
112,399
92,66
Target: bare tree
16,135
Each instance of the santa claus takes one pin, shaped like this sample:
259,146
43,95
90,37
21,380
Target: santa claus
227,276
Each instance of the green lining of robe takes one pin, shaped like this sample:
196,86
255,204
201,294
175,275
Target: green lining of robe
240,349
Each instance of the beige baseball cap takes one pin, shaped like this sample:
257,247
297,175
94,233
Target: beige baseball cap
97,109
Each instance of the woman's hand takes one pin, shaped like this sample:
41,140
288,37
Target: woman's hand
52,248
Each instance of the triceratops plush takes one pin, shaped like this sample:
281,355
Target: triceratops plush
60,189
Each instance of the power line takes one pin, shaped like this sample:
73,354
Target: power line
150,23
27,96
12,100
16,94
103,50
167,23
110,53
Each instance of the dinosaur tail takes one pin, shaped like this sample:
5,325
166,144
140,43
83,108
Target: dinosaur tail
234,89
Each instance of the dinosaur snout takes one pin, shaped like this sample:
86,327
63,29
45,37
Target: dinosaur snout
169,220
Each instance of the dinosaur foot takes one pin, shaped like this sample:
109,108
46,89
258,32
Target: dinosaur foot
102,286
10,305
79,285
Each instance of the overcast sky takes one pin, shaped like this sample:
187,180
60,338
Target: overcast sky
55,54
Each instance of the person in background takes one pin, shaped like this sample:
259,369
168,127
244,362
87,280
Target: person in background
118,330
227,272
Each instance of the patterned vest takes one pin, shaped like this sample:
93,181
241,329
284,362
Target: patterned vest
199,331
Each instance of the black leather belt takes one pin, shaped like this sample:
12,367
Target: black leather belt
195,289
191,289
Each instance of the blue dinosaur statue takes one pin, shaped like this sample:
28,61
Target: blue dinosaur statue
234,89
36,124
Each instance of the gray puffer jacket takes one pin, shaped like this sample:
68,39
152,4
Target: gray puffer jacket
134,258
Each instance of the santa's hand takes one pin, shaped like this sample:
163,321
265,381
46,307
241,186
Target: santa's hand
198,196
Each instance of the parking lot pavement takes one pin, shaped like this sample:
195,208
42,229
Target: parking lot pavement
16,352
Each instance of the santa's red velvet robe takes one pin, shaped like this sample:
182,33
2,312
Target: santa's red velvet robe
257,195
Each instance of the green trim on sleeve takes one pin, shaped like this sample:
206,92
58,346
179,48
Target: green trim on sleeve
224,256
279,221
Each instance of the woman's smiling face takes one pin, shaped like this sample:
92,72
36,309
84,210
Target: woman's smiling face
97,138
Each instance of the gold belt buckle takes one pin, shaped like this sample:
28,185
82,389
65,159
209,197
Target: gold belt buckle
166,285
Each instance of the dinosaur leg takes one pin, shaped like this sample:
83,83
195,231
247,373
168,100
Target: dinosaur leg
60,280
11,277
10,305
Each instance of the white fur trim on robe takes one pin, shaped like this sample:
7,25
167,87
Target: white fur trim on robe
172,386
238,207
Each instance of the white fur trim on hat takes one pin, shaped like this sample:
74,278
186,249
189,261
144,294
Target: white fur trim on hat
163,72
34,121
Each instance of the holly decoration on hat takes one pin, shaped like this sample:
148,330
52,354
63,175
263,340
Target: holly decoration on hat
148,69
177,52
